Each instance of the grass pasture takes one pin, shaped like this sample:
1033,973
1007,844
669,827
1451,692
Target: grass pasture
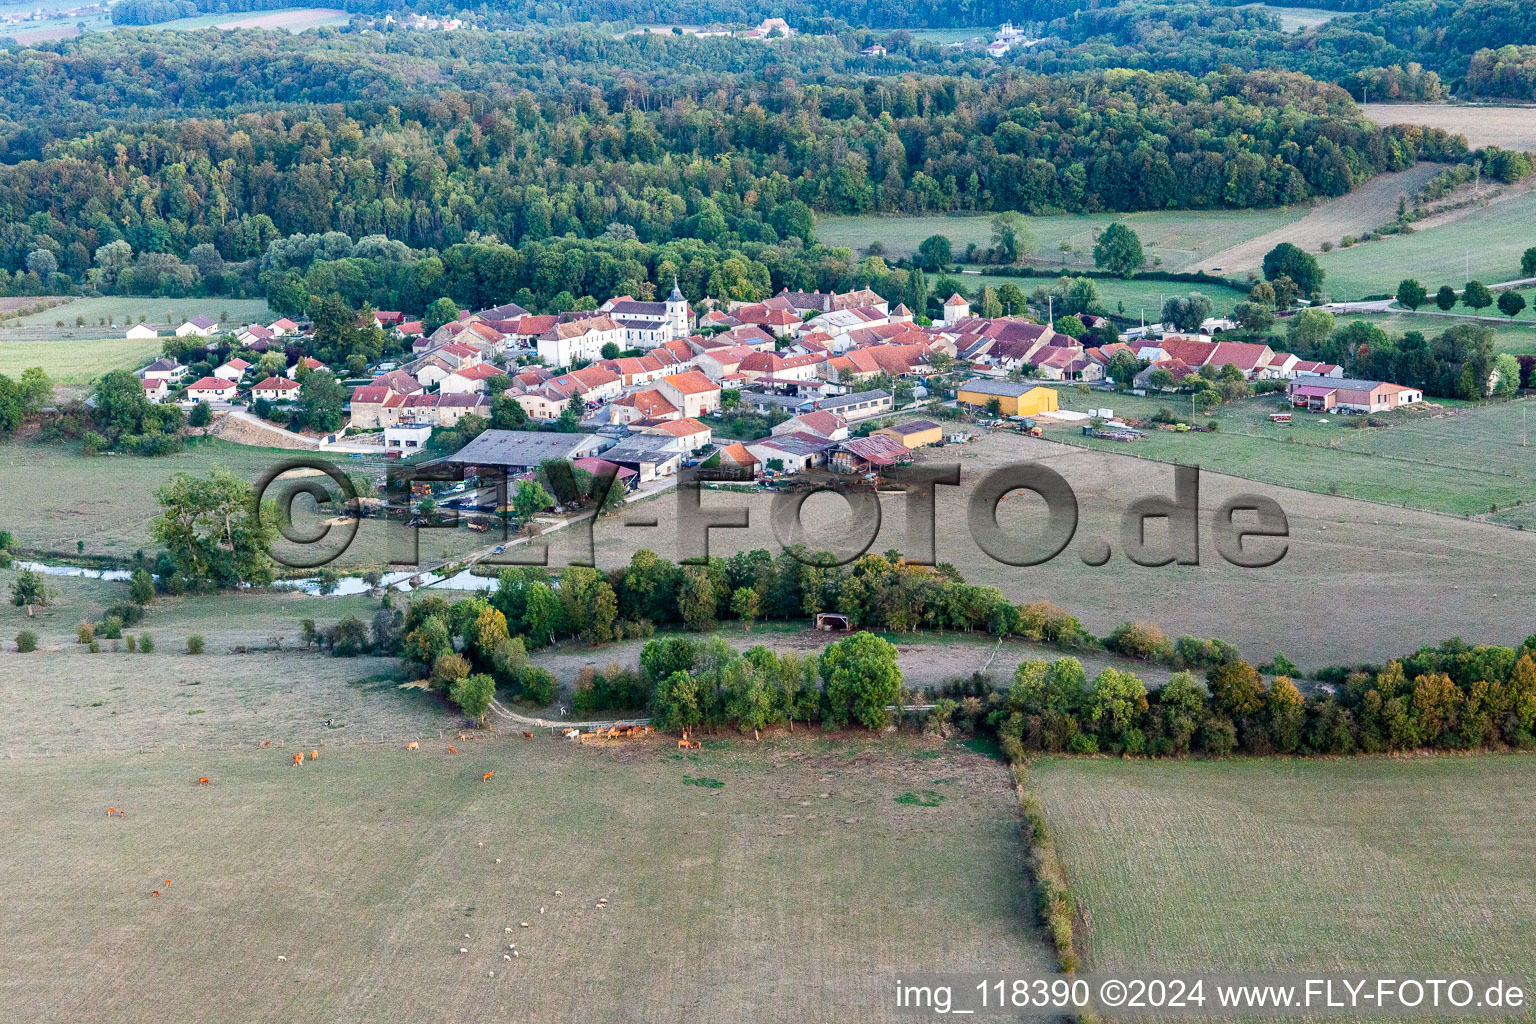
345,889
1458,460
1517,336
1178,237
77,363
1129,297
1301,19
1483,245
1366,865
125,311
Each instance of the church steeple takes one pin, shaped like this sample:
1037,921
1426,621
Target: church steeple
677,295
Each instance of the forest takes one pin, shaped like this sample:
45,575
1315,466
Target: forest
506,151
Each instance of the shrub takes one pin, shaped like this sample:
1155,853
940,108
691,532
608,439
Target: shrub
85,634
146,644
1083,743
536,686
26,641
95,647
447,669
112,628
133,644
195,644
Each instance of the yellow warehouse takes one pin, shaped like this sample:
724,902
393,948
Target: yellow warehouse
1014,399
915,433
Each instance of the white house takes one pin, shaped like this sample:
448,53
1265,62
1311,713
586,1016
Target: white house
564,343
141,331
956,309
407,437
199,327
155,389
232,370
163,369
276,389
211,389
468,379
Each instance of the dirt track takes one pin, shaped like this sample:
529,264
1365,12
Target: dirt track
1366,208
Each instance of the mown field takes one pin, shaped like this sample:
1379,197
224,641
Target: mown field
1483,245
1177,237
1365,865
784,883
1299,19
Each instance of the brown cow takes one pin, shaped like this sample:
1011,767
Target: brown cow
412,745
452,749
314,754
203,781
298,759
486,777
265,743
527,735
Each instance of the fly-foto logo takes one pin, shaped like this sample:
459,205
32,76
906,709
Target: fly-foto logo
1248,530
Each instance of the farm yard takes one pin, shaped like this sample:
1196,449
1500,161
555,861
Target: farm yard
786,883
1281,864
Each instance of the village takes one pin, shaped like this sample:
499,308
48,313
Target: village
637,391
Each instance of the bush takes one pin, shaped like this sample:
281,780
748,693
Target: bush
146,644
616,688
133,645
536,686
85,634
195,644
473,695
448,669
26,641
112,628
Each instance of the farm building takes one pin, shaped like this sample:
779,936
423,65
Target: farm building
141,331
860,405
790,453
520,450
649,455
914,433
198,327
1344,394
1015,399
867,454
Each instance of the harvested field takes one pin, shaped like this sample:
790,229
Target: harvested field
295,20
1509,127
1287,865
344,889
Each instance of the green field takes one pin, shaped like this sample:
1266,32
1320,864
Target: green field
1130,298
953,35
1484,245
1178,238
1298,865
1463,461
1296,19
1517,336
77,363
125,311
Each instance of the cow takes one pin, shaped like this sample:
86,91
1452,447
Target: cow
452,749
298,759
203,781
314,754
487,776
412,745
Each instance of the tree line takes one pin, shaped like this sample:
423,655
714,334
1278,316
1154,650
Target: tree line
641,138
